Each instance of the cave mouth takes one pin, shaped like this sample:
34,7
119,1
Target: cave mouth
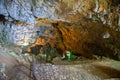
62,39
90,31
59,39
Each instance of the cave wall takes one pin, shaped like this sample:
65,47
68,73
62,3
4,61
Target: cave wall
67,10
26,10
29,11
80,24
88,40
24,34
20,34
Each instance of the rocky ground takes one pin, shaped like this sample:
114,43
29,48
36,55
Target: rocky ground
97,70
18,69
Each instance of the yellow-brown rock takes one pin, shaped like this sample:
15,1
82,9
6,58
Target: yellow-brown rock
86,38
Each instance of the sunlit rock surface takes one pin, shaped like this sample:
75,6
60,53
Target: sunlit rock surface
20,34
28,10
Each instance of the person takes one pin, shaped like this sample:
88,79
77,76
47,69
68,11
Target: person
64,56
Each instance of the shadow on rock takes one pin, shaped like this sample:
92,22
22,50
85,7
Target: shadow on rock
108,71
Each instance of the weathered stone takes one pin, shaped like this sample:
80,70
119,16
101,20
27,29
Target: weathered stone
20,10
44,9
3,8
27,10
20,34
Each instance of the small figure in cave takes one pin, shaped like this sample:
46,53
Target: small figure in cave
68,55
64,56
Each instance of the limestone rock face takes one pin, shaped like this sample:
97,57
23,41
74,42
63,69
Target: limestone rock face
20,34
44,9
3,8
27,10
71,11
24,34
18,10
